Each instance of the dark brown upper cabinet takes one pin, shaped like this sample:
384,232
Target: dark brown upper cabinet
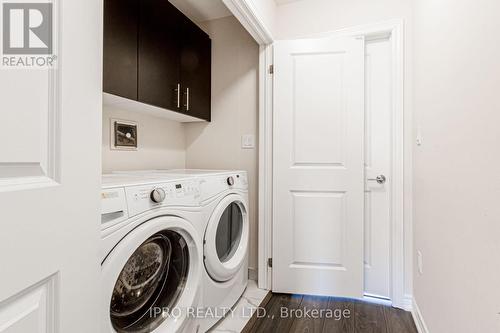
172,57
159,47
120,48
196,59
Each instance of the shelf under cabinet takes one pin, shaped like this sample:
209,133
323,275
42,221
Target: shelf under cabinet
138,107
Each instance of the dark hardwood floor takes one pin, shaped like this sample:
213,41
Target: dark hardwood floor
288,313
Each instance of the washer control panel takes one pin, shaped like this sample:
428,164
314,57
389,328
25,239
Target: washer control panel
145,197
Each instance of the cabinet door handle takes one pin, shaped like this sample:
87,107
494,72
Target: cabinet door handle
178,91
187,99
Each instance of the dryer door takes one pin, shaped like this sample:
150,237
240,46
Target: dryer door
226,238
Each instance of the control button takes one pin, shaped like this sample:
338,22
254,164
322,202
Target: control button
230,181
157,195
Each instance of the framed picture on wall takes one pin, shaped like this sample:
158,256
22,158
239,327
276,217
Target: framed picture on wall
123,134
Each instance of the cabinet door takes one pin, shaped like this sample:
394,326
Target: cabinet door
158,70
120,48
196,63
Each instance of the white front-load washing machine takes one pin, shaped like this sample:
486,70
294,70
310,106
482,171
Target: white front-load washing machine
152,254
224,202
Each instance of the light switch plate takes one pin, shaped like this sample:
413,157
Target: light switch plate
248,141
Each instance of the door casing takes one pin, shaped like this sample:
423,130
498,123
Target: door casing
378,156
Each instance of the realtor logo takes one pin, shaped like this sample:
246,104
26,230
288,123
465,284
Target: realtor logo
27,35
27,28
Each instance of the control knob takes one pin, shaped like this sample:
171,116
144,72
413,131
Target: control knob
157,195
230,181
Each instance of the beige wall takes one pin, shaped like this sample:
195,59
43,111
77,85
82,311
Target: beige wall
457,179
217,145
161,143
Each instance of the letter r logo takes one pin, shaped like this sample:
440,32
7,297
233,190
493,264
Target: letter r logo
27,28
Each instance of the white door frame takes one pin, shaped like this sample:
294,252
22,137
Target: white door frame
401,173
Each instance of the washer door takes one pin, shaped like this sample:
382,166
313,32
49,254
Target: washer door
226,238
149,278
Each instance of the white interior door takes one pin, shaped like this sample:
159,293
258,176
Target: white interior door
50,177
318,166
377,229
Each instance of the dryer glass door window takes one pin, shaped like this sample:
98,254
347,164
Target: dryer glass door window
229,232
153,277
226,239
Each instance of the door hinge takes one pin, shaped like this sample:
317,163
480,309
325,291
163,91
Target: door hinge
270,262
271,69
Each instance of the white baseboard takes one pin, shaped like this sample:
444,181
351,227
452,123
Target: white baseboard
407,303
376,300
417,317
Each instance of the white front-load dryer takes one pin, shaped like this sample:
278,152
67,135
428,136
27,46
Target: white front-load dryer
152,267
225,247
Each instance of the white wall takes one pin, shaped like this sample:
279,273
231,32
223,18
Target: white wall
266,11
217,145
302,18
161,143
457,179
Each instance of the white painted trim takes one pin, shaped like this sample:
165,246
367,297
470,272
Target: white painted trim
406,303
418,318
369,31
246,13
376,300
265,166
26,183
40,297
397,191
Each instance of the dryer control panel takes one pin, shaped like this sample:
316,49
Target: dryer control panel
142,198
214,185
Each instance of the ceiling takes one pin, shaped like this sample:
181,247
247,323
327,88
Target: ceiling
202,10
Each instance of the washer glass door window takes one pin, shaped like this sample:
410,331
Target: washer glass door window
226,239
153,277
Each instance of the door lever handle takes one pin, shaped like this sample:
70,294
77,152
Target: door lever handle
379,179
